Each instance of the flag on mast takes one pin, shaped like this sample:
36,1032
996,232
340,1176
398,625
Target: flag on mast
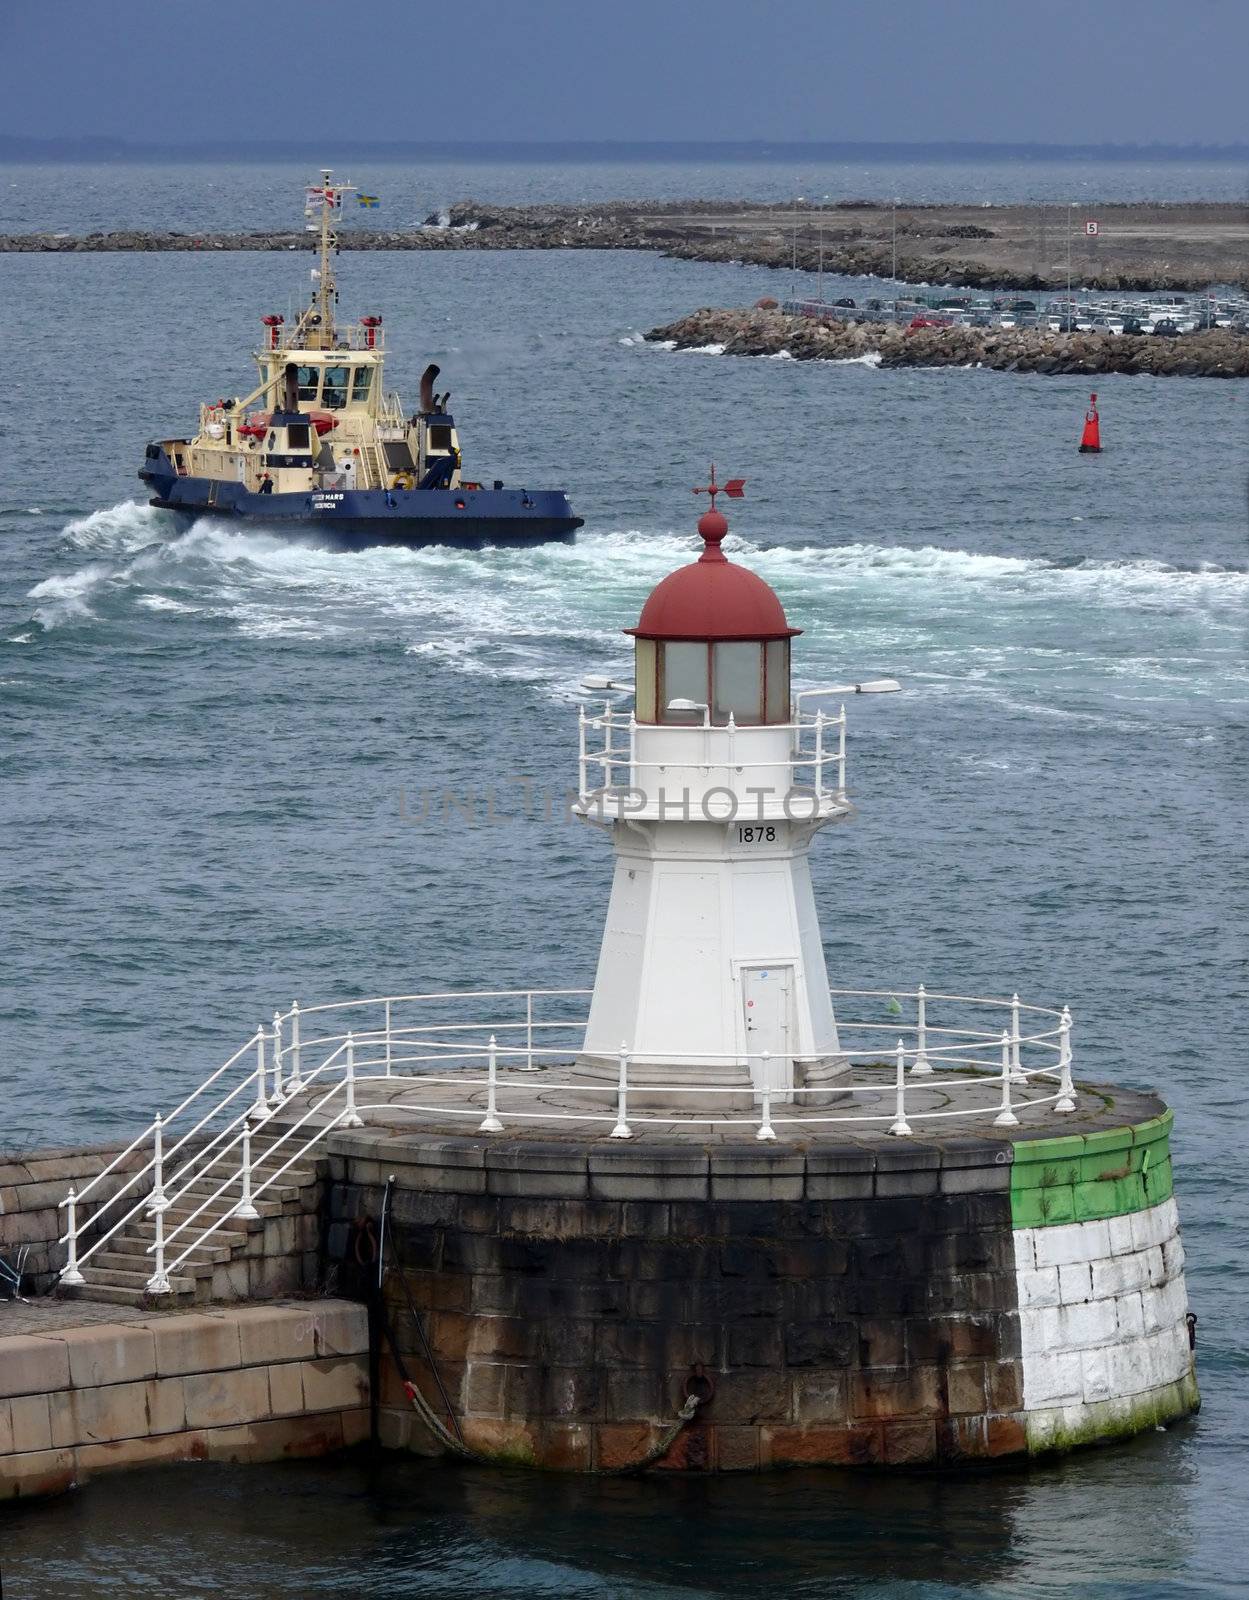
315,196
368,200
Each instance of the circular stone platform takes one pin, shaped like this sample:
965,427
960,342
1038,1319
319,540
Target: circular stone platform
856,1297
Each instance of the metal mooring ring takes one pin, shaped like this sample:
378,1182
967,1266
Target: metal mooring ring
700,1385
1191,1319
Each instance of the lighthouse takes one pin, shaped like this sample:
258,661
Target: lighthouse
713,787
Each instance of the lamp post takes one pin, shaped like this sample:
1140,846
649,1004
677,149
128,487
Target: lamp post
793,266
1070,312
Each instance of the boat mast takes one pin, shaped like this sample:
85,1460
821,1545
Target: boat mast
327,286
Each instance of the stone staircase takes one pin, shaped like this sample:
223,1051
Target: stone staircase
275,1253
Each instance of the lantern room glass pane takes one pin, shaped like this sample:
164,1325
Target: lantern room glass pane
644,678
778,681
737,680
683,676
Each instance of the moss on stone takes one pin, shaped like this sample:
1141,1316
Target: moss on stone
1057,1429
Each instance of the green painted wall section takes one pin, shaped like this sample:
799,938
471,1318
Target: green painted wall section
1088,1176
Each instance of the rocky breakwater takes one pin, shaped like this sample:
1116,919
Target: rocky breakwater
1219,353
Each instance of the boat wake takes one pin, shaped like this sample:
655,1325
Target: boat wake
537,615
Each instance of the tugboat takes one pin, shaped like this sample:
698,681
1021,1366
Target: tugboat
319,443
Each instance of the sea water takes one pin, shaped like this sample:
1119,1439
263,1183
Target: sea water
214,742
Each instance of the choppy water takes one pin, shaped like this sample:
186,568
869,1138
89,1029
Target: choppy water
205,734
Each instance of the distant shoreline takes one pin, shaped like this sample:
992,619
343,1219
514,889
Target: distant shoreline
1142,247
267,152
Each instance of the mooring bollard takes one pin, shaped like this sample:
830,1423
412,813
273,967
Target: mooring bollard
622,1130
900,1125
245,1207
1017,1073
766,1130
351,1117
1066,1089
276,1098
1006,1118
70,1275
491,1123
260,1108
921,1063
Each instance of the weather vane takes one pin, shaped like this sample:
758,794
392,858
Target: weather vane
733,487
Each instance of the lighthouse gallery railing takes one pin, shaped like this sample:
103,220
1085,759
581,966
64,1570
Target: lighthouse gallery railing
300,1079
817,751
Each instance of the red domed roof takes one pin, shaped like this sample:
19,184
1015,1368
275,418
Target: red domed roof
713,598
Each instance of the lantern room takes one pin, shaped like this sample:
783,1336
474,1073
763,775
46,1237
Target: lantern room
712,643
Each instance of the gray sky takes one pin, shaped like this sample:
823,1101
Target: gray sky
1065,71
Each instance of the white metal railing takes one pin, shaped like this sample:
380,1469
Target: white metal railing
608,751
311,1063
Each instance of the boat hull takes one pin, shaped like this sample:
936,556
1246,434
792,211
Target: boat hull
357,519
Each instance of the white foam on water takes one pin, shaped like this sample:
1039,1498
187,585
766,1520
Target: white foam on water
546,614
701,349
124,527
162,602
19,638
872,358
68,595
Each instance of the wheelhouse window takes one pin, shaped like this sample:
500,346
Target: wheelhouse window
306,380
361,383
334,388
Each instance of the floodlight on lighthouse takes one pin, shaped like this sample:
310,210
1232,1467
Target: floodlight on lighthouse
692,705
871,686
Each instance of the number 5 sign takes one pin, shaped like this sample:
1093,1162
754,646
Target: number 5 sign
1092,229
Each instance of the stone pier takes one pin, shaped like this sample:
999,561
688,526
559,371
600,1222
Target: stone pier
88,1388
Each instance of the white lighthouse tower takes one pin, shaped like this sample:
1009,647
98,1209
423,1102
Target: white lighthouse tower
713,787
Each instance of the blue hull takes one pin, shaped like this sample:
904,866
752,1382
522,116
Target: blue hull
356,519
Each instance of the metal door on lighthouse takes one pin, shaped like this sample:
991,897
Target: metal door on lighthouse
766,1001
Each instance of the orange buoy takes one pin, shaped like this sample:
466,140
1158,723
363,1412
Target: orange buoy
1091,438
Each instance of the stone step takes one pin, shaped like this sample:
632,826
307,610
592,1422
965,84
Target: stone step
133,1245
232,1236
110,1263
202,1188
217,1209
111,1295
129,1288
